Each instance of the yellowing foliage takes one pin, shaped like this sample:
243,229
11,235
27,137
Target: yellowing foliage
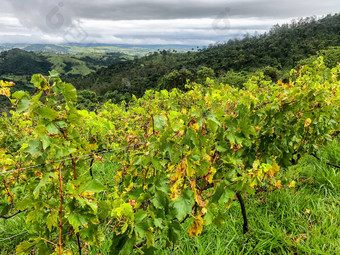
196,227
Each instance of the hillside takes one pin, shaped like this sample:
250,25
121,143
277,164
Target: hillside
279,50
19,65
19,62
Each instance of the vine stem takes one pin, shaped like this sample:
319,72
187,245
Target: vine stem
78,241
60,210
244,214
74,167
72,158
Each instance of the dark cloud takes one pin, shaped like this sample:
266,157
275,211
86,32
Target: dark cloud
48,16
119,20
179,9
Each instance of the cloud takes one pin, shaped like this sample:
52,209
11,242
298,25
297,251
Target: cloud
47,16
149,21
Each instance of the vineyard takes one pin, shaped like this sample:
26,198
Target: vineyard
176,160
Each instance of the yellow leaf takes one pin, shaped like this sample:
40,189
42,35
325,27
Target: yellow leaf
292,184
130,187
211,174
275,168
253,183
196,227
307,122
190,171
5,92
278,184
196,126
307,211
175,192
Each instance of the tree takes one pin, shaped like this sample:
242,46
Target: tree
204,73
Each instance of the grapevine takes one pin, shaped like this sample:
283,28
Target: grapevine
187,156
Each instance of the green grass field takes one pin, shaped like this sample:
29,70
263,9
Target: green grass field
300,220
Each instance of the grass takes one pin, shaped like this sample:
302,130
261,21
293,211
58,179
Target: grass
300,220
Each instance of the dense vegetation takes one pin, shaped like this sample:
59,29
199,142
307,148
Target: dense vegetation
273,53
179,159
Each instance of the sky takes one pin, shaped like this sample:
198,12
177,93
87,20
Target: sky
190,22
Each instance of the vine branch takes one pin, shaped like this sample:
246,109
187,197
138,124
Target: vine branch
11,216
244,214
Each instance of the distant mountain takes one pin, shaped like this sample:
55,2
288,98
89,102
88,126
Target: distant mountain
80,48
46,48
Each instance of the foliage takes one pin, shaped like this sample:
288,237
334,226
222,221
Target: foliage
235,79
186,155
177,79
204,73
331,57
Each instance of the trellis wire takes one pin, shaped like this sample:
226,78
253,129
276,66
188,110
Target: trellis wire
70,158
11,237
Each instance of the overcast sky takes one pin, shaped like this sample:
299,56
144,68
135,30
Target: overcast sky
198,22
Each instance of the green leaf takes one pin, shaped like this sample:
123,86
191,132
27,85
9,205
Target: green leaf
25,247
92,186
213,122
98,237
141,229
46,141
150,250
47,113
73,116
38,81
19,94
184,204
52,129
160,200
76,220
156,164
141,223
214,216
34,148
222,195
54,74
4,208
160,122
222,146
51,220
24,105
42,182
70,93
174,231
140,216
122,244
